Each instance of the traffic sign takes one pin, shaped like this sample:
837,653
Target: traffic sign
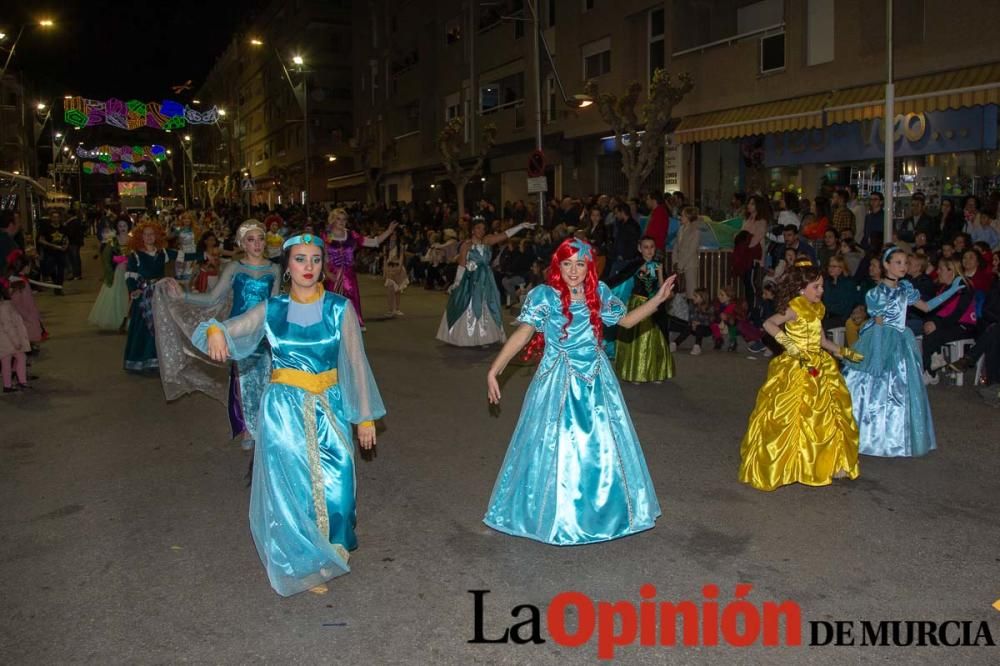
538,184
249,185
536,164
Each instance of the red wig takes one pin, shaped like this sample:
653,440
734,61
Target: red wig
567,249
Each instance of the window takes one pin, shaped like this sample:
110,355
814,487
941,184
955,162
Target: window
772,53
657,52
506,91
596,58
452,106
411,117
453,31
819,32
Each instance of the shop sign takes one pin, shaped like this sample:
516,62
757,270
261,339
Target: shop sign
953,131
673,166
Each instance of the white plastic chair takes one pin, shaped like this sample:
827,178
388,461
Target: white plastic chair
838,335
952,352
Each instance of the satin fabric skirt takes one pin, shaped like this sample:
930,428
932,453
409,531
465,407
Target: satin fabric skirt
247,381
888,394
470,330
802,429
344,281
111,306
286,526
140,343
642,353
574,472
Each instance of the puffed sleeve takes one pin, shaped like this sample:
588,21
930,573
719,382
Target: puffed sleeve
612,308
243,333
874,301
911,293
536,307
359,393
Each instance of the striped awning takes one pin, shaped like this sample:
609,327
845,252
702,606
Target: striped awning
972,86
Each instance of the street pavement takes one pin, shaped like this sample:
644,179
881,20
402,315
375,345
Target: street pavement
125,536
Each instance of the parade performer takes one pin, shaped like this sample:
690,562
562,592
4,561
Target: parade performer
302,498
14,343
18,269
186,234
887,388
574,472
146,265
642,353
396,277
340,247
802,429
242,285
472,317
110,310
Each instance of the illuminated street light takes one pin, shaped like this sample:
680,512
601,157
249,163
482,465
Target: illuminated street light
256,42
187,137
58,135
40,106
222,112
298,60
3,36
196,101
46,23
332,158
67,97
580,101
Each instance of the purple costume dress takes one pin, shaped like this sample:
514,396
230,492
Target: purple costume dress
340,276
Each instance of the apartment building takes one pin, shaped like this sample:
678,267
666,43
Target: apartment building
264,135
419,64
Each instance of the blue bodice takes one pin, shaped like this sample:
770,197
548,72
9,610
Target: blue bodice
249,290
314,348
890,304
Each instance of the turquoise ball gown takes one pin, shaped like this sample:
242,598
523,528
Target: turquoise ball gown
302,498
574,472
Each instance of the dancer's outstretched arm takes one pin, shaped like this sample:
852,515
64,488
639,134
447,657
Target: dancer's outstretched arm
514,344
649,307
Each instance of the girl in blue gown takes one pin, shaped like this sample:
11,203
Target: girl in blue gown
887,389
574,472
302,498
242,285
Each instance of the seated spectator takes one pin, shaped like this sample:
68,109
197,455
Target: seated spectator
792,241
830,247
840,294
954,320
976,271
916,274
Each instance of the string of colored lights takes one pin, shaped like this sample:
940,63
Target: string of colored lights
153,153
81,112
112,168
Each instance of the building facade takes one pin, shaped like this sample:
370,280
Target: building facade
788,93
417,65
272,125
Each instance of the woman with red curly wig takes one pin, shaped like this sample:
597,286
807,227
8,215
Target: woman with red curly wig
147,263
574,472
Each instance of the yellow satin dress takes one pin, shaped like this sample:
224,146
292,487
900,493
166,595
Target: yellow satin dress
802,429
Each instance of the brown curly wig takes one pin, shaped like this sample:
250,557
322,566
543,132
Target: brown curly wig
135,243
794,280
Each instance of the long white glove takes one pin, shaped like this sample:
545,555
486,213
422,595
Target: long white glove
516,229
458,278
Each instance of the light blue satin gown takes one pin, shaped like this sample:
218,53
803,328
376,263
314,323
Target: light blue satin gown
249,377
574,472
887,389
302,499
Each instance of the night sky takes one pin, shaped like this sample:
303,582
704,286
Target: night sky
127,49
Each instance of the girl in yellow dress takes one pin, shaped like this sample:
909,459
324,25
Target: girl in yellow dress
802,429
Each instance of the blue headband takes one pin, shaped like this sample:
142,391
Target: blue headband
582,248
889,251
303,239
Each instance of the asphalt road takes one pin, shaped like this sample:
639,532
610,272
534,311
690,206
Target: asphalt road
125,536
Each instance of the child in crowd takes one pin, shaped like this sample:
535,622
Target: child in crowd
207,274
14,343
802,429
678,317
734,315
701,315
917,277
642,354
773,274
19,269
840,294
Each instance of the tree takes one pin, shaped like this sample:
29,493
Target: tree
627,116
371,157
451,145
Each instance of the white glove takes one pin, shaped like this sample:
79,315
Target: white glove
458,278
516,229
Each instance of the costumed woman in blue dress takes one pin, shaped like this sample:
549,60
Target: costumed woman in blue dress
242,285
146,265
574,472
887,389
302,498
472,317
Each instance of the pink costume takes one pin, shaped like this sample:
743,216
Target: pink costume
340,276
13,344
24,303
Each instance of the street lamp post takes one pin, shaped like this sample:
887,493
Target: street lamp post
43,23
889,130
